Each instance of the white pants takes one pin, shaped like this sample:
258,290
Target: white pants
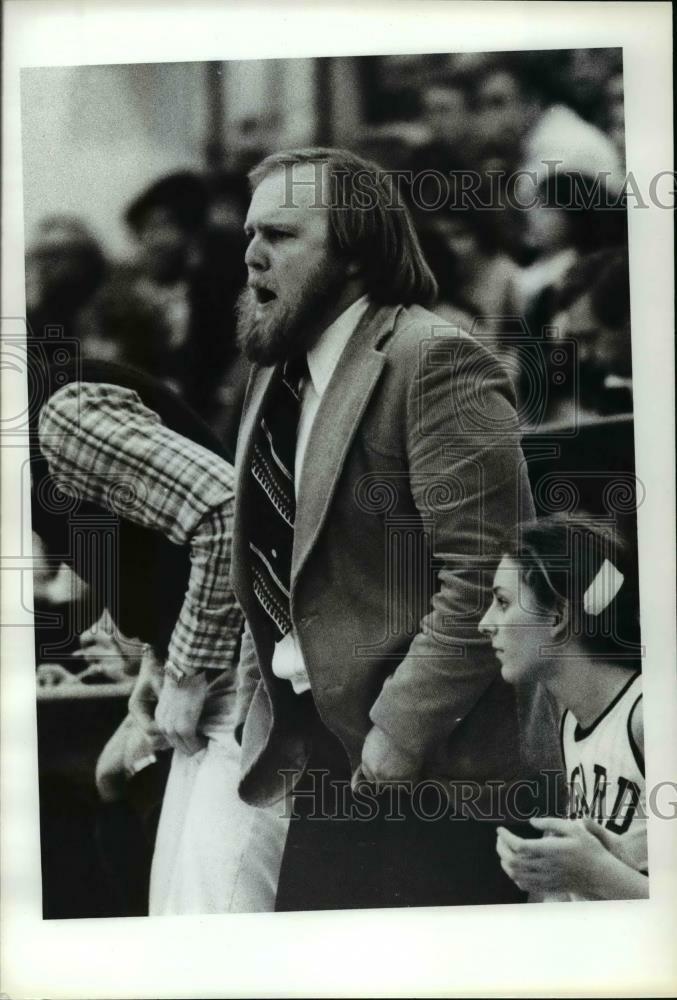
214,853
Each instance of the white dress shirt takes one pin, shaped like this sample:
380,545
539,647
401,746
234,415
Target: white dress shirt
322,360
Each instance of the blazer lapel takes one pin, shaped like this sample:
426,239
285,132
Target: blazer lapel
338,417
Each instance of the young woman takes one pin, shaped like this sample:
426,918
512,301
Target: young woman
563,613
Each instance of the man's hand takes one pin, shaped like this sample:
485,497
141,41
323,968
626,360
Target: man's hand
144,698
383,760
179,710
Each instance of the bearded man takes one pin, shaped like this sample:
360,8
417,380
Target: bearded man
378,464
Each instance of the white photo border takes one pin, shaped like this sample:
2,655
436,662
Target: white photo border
601,949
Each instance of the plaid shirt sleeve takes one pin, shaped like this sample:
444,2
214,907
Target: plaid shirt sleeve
101,441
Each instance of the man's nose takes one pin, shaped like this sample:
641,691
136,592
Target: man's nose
255,256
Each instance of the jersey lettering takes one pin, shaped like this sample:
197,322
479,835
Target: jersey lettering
627,799
578,794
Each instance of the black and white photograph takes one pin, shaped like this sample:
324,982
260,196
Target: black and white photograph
341,480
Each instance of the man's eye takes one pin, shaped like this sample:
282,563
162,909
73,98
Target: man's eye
503,604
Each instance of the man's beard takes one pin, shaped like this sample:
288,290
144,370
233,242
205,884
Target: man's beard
290,330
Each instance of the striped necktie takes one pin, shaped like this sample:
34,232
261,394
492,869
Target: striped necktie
274,497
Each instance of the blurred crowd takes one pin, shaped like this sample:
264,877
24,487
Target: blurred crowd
534,227
169,311
521,278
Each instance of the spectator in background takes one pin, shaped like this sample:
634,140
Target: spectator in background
567,126
474,271
172,314
592,307
503,101
505,105
583,75
65,266
556,115
528,112
567,221
142,316
565,226
444,109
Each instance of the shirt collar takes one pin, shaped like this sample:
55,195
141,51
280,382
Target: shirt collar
324,356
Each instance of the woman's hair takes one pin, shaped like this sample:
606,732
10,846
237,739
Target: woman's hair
575,562
369,222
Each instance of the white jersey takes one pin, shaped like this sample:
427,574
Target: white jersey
605,772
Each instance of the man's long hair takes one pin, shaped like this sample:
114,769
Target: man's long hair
369,223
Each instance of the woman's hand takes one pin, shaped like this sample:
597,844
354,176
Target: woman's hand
571,859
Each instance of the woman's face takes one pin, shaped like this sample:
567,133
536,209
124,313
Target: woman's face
520,630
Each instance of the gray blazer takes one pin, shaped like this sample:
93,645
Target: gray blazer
413,472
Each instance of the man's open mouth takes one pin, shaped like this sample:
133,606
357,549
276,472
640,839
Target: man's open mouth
263,295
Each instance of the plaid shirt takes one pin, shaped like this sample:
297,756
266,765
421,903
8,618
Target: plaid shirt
101,441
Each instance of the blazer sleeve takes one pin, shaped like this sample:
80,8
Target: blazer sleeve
468,478
248,677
